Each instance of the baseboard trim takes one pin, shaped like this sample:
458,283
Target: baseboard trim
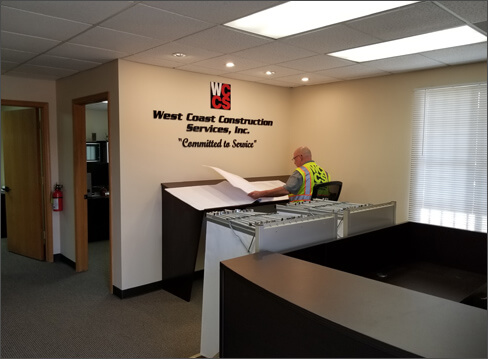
147,288
132,292
61,258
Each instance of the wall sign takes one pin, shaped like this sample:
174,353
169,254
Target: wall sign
211,124
215,125
219,96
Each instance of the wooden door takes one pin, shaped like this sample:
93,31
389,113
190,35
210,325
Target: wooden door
23,201
80,185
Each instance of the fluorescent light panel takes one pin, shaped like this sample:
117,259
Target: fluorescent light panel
463,35
295,17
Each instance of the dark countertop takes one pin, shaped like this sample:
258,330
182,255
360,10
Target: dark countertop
412,321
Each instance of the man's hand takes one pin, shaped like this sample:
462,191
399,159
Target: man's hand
275,192
255,194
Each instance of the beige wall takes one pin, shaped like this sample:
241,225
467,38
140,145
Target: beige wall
151,152
96,122
360,130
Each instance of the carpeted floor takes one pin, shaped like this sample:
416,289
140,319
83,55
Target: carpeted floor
50,311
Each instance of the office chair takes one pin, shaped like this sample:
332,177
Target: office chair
329,190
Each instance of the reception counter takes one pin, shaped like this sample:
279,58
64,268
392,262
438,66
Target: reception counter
445,262
404,291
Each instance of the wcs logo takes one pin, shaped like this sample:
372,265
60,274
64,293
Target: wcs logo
219,95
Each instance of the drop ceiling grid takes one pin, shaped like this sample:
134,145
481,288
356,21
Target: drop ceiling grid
34,24
406,21
38,36
215,12
73,10
223,39
166,51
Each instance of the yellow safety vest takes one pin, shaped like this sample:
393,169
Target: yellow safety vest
312,174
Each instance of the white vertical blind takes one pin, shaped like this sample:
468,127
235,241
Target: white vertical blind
448,184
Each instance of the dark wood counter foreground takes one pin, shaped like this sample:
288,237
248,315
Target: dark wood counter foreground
273,305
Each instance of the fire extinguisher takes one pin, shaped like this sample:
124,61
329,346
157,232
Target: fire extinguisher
57,198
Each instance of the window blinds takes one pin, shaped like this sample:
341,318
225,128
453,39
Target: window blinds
448,184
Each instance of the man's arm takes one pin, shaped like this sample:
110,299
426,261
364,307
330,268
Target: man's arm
275,192
292,185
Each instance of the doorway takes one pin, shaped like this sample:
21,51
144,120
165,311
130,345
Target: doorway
26,179
92,183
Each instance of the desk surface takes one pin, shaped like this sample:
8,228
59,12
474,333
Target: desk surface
415,322
282,178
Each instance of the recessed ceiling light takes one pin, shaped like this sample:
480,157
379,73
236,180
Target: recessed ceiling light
295,17
463,35
269,73
305,79
179,54
229,64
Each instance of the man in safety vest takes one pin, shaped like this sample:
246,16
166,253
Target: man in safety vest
299,185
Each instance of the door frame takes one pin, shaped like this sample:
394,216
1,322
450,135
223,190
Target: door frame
80,185
46,184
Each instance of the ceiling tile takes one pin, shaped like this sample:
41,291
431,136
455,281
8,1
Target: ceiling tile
316,63
7,66
89,12
279,71
48,27
152,22
77,34
352,72
33,75
223,39
43,72
314,79
63,63
21,42
193,54
274,52
459,55
201,69
219,62
406,21
17,56
115,40
404,63
331,39
278,82
483,26
85,53
240,76
472,11
151,60
216,12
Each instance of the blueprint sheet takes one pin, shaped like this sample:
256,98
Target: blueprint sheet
229,193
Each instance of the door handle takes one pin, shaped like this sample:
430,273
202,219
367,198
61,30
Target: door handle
6,189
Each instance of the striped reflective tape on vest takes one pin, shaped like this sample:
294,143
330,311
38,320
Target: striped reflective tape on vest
305,193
